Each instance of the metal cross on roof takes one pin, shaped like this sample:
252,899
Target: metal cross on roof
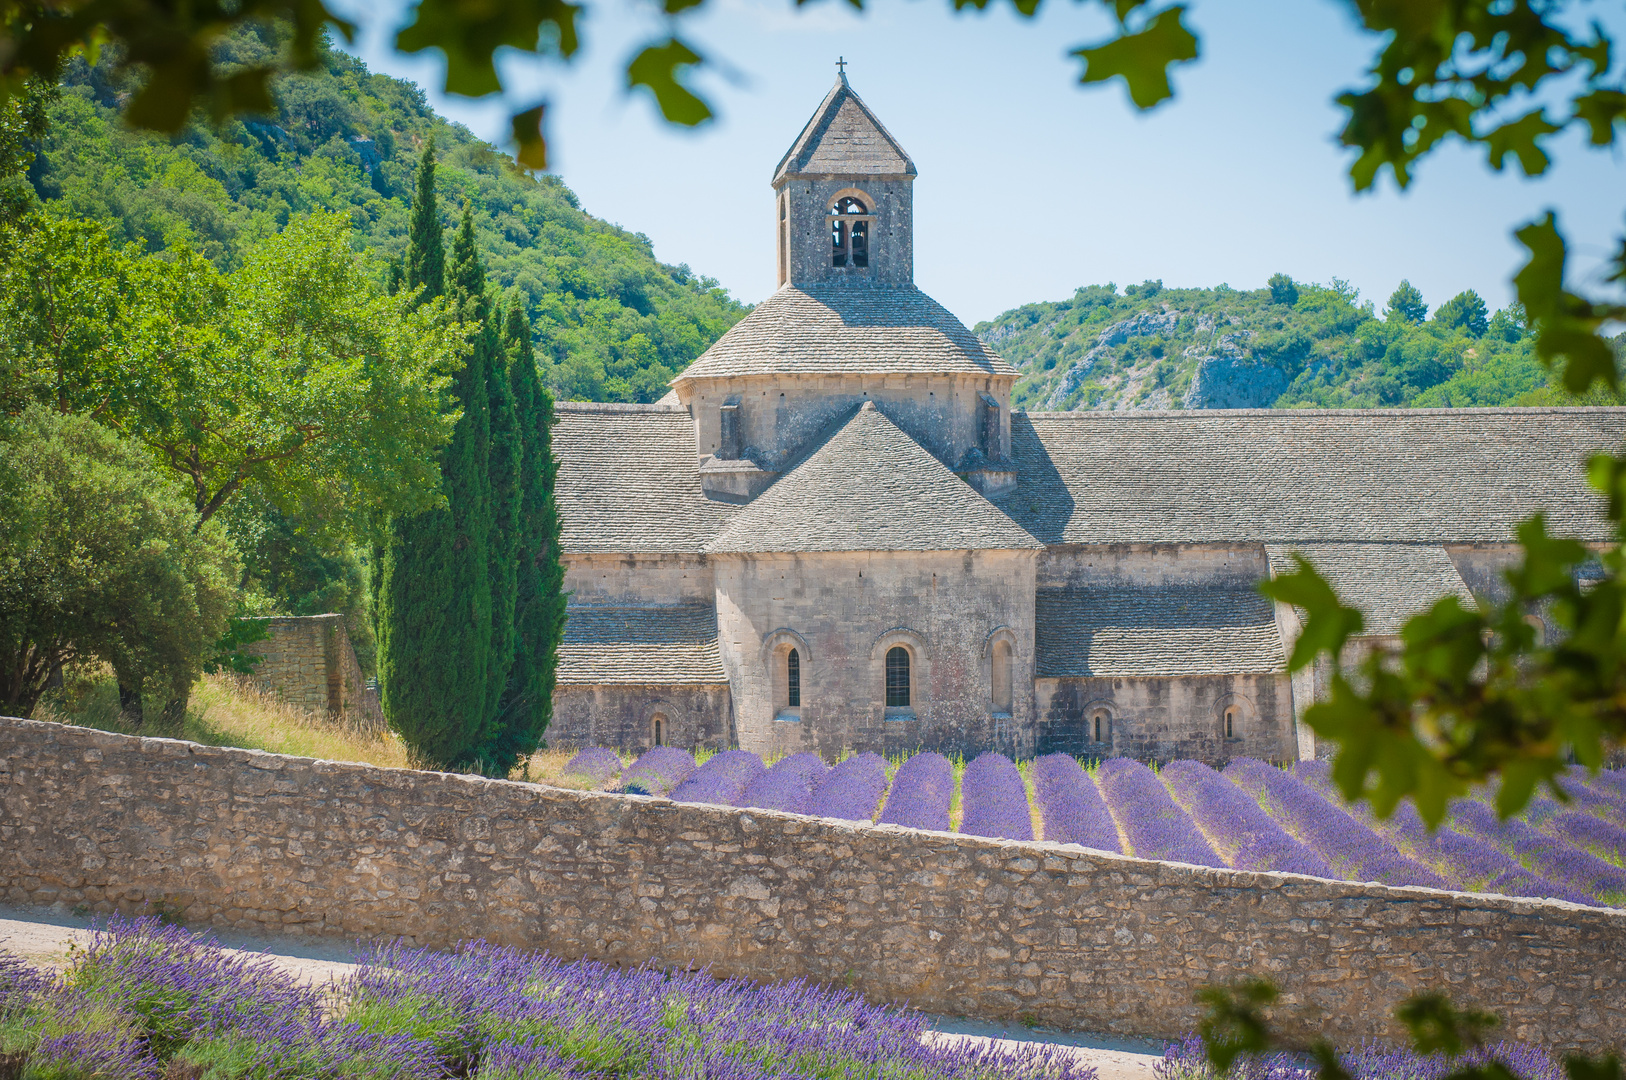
841,65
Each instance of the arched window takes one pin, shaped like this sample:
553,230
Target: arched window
1001,676
658,730
849,232
793,679
897,677
1100,726
1233,721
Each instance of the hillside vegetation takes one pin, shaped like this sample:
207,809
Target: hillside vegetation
1288,346
611,322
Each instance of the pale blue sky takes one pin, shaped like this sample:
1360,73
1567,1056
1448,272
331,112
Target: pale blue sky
1031,185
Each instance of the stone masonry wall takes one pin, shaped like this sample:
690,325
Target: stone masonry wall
309,663
693,717
957,924
843,611
1166,719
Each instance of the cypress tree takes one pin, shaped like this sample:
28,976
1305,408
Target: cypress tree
539,615
467,285
435,599
426,253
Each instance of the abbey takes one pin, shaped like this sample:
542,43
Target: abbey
836,534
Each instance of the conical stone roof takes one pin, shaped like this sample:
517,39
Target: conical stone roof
840,330
844,138
870,487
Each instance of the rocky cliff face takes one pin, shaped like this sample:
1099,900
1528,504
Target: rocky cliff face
1230,382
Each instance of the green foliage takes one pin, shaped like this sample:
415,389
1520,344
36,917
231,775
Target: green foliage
611,322
293,375
22,124
426,253
1235,1024
539,614
1327,348
101,557
1142,52
1465,311
435,603
1406,303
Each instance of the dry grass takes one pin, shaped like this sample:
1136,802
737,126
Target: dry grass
224,711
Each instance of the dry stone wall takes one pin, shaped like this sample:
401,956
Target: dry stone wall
956,924
308,662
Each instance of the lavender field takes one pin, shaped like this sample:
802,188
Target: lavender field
147,1001
1249,816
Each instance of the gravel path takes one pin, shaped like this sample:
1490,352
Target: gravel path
43,936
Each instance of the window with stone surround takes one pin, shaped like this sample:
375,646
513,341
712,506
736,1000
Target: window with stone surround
849,232
897,678
1233,721
1001,677
1099,728
658,732
793,679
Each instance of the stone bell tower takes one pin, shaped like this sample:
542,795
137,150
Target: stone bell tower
845,205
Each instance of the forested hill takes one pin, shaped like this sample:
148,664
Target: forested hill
615,323
1290,345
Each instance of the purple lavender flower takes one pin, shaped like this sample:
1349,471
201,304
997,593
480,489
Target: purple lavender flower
1585,831
921,793
1244,835
788,786
994,800
597,764
722,780
1557,860
657,771
178,984
19,982
1188,1060
531,1059
1462,861
852,790
1353,851
1155,827
1070,806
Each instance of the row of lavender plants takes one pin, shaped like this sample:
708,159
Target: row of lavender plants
146,1001
1250,816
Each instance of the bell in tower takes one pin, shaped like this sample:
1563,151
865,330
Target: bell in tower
845,199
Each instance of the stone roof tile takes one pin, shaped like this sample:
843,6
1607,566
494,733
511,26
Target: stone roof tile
1387,582
846,329
844,138
1160,630
657,646
629,481
1291,476
870,487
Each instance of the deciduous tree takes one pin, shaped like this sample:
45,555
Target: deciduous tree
102,556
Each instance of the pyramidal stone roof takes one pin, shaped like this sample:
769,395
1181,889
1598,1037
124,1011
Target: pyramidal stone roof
840,330
844,138
870,487
628,480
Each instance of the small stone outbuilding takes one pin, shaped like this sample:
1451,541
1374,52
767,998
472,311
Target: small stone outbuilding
836,533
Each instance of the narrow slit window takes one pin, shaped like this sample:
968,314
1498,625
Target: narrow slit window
1001,676
897,677
1233,722
793,679
659,732
1102,723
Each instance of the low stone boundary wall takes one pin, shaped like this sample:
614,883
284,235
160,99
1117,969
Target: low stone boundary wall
954,924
